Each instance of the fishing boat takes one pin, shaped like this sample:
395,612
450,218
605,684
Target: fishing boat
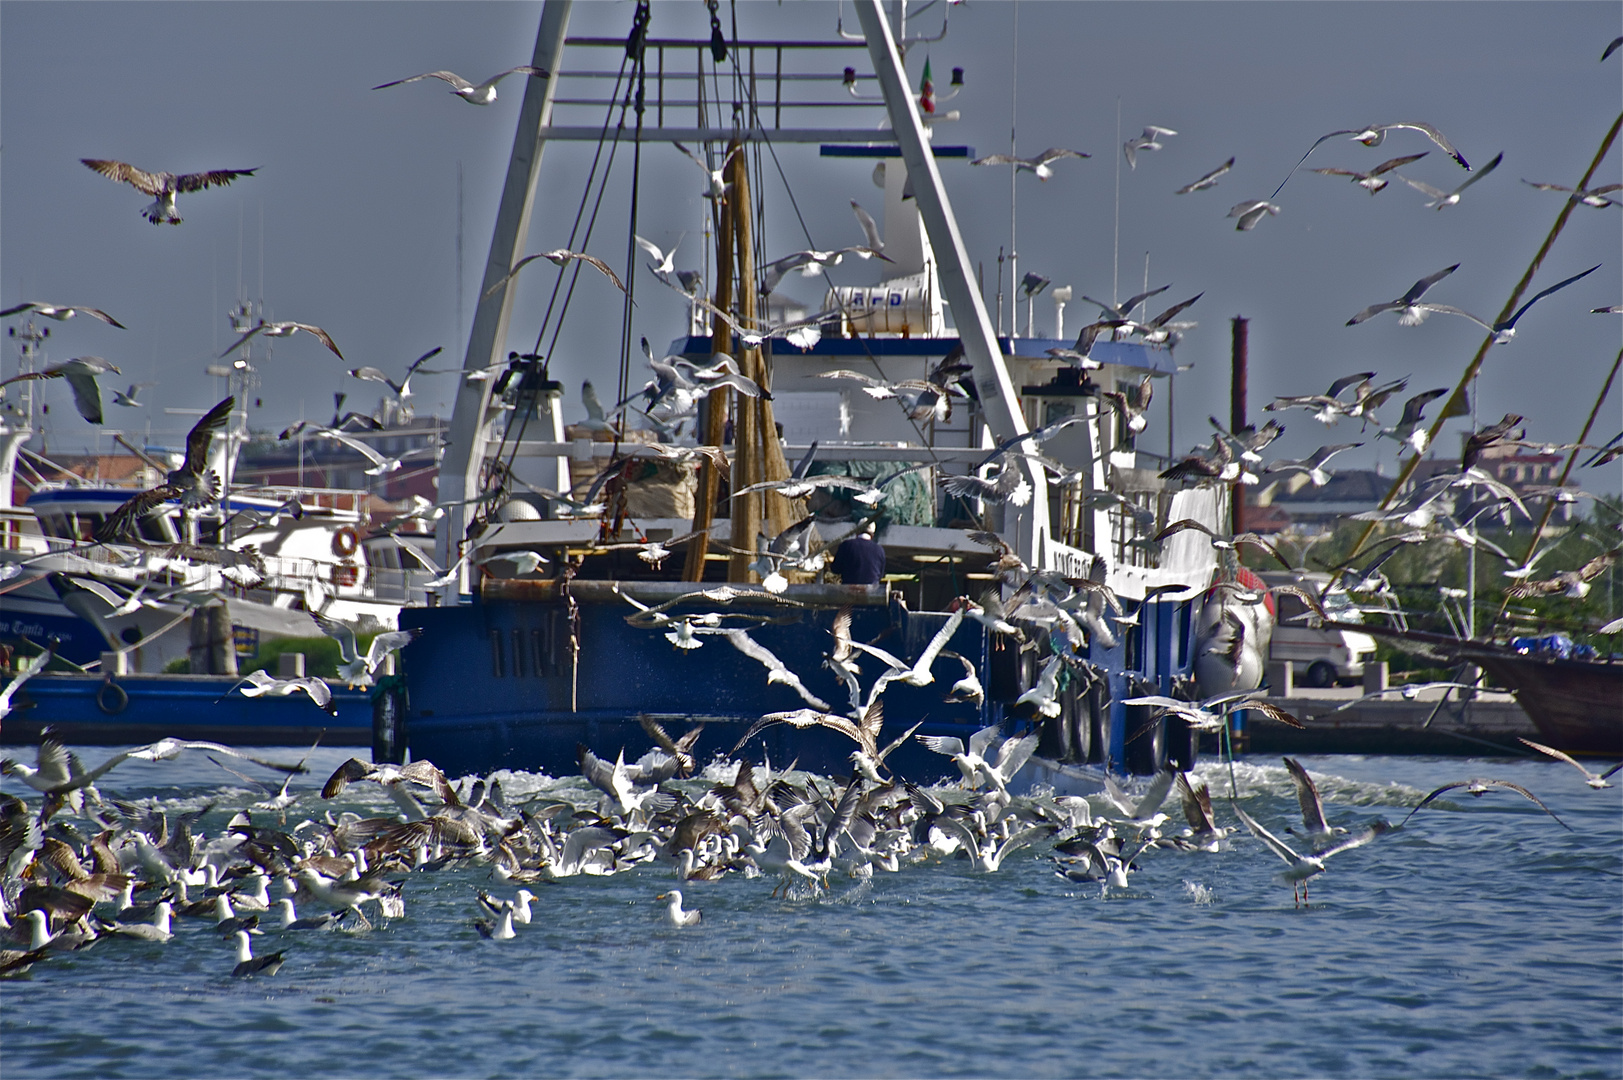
570,624
161,629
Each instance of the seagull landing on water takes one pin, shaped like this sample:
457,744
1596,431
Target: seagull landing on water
163,185
62,312
1147,141
1039,166
481,94
1302,867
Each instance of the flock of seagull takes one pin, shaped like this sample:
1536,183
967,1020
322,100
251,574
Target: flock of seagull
79,870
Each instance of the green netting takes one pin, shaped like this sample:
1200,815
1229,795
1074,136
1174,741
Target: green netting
909,499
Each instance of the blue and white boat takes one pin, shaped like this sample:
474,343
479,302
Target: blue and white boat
518,670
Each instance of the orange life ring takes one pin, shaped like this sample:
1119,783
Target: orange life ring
345,542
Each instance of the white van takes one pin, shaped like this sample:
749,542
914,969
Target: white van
1318,657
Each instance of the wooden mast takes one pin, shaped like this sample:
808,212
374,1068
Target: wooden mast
715,416
757,454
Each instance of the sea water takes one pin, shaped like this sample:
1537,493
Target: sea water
1483,939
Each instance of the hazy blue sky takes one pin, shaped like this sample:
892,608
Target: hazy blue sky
357,189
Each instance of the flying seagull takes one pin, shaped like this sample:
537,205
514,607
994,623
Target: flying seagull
1440,198
1373,181
1479,788
1209,180
1594,780
1146,141
717,186
192,483
1410,311
284,329
1598,197
80,372
482,94
1251,212
62,312
1374,135
164,186
560,257
1039,165
1503,332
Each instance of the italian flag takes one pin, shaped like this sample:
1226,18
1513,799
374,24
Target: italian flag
926,90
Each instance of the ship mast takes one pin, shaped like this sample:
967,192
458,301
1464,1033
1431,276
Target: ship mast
1000,403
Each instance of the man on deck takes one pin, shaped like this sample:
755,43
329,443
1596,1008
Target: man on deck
860,559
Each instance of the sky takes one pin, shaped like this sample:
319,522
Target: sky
351,220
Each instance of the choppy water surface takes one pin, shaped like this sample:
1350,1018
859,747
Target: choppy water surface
1481,940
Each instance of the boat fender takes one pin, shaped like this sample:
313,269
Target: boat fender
111,697
345,542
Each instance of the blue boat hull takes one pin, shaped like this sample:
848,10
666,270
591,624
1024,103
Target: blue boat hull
500,683
88,710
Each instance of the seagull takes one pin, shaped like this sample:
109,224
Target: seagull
1505,331
284,329
1250,212
194,484
969,687
261,682
1146,141
560,257
662,265
1044,694
1209,180
1594,780
62,312
1570,583
163,185
501,930
248,964
1440,198
25,671
1374,135
777,671
1410,429
291,920
1039,165
402,389
870,231
1317,831
674,911
1598,197
1612,48
127,397
718,186
357,670
1479,788
381,466
1303,867
1314,464
482,94
1372,180
1408,306
80,372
